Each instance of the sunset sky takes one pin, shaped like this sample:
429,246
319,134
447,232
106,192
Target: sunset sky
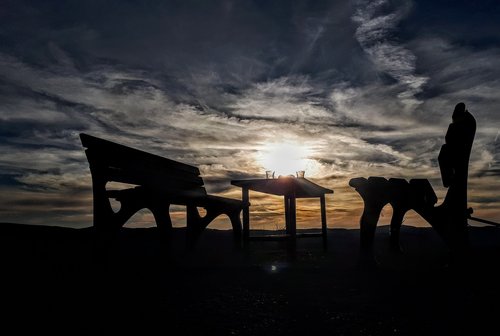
342,88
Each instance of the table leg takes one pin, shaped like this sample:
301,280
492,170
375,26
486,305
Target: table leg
323,219
287,214
246,214
293,217
292,238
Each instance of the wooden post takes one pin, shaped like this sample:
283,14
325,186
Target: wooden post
292,238
246,214
287,214
293,217
323,219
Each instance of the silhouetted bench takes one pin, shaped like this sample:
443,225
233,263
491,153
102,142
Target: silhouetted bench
449,219
377,192
159,182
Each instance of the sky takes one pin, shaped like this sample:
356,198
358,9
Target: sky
343,88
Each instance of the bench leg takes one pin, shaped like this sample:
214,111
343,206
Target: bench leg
450,224
164,224
103,212
398,214
192,225
105,219
234,217
375,194
196,224
162,217
368,225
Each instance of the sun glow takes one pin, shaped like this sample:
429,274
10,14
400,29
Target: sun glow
286,158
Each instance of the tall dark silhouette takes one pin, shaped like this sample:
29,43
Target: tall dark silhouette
454,166
450,218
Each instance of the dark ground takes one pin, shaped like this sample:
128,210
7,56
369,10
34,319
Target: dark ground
51,285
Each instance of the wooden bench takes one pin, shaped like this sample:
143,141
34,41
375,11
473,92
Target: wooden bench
449,219
159,182
377,192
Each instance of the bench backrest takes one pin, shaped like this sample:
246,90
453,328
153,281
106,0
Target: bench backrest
119,163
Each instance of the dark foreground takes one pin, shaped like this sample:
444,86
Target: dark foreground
51,285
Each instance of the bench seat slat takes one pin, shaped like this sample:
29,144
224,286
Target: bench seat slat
151,178
157,182
180,197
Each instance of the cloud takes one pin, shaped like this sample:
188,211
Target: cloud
377,20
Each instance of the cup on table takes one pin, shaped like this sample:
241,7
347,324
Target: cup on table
269,174
300,173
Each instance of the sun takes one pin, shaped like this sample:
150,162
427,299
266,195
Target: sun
286,158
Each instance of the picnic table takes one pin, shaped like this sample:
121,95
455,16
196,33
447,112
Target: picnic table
290,188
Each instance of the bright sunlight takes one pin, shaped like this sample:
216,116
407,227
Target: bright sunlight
286,158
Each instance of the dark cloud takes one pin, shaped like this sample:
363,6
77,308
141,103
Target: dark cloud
237,41
473,23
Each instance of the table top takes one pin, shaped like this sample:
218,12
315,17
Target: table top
284,186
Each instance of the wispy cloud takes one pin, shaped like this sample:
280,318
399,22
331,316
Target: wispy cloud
377,21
